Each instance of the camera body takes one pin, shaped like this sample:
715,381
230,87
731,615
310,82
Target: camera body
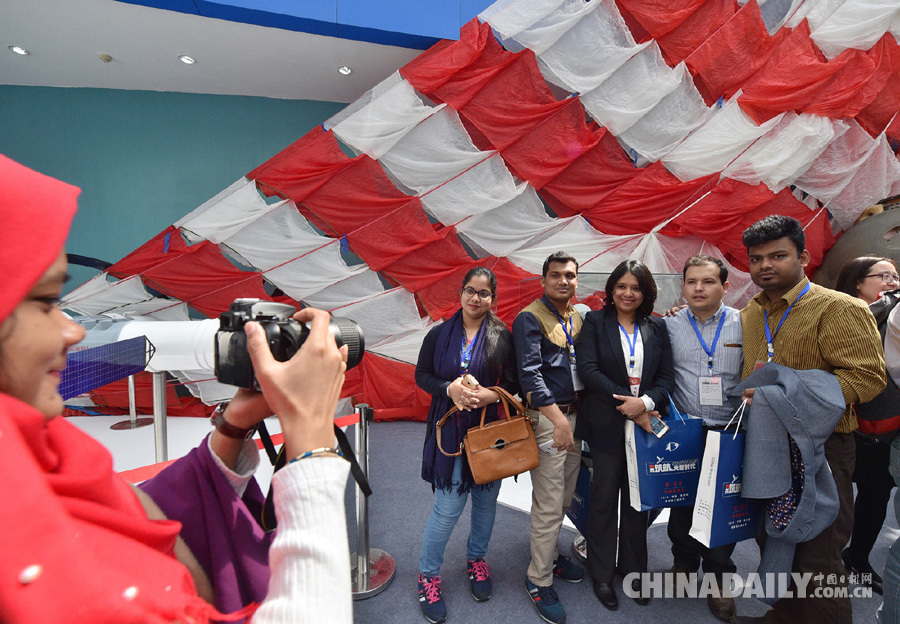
284,335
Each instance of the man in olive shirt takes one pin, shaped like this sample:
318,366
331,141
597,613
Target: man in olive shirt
805,326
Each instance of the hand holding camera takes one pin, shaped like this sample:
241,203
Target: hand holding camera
302,391
293,359
283,333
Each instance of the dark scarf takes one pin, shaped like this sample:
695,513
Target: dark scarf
437,468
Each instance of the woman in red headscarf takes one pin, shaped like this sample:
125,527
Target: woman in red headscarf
76,541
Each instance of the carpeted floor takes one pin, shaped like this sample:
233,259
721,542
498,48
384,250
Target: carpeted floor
400,506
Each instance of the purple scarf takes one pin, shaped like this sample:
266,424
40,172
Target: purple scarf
437,468
221,529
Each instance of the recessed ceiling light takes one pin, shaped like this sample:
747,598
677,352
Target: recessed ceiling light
187,60
19,50
344,70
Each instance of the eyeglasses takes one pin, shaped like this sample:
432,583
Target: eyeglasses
468,291
885,277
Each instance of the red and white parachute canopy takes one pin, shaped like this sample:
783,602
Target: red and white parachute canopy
611,130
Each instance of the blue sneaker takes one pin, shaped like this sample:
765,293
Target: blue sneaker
547,603
430,599
564,569
479,578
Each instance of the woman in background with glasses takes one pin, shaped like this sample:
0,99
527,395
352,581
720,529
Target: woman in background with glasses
869,278
474,341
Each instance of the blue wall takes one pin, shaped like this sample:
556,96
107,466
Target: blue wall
408,23
143,159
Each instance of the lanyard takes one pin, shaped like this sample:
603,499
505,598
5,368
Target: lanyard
566,332
631,343
709,350
770,337
465,354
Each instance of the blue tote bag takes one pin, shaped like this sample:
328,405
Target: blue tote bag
663,472
581,498
721,515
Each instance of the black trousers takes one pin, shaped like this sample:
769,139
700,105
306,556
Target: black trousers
873,493
610,506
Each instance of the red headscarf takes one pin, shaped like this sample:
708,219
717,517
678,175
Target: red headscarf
35,214
75,543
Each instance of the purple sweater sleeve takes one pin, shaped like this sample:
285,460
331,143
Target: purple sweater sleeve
221,529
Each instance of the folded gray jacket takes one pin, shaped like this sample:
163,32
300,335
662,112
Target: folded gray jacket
806,406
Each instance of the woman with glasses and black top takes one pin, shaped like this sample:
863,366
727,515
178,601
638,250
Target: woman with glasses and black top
875,281
474,341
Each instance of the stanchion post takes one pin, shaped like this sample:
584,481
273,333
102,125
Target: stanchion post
160,434
362,501
132,406
373,569
133,421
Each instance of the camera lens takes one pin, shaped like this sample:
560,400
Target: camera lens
348,332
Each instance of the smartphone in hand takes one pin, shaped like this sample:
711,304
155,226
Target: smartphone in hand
548,447
658,426
470,383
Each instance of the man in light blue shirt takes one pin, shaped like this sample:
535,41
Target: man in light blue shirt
706,350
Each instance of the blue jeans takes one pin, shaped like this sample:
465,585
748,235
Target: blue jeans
448,507
889,611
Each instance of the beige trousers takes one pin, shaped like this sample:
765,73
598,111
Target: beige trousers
553,483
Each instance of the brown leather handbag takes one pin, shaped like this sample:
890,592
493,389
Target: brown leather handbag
499,449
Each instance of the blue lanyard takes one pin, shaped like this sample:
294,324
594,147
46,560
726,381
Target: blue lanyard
566,332
465,354
631,343
709,350
770,337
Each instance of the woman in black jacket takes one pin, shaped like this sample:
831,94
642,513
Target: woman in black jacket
625,362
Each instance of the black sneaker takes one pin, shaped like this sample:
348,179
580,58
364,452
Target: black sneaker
430,599
479,578
564,569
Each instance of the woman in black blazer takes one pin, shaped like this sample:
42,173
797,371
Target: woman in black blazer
625,362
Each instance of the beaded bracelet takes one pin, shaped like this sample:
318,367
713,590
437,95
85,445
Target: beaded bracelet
325,450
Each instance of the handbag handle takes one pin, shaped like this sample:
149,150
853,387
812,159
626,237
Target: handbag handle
505,398
437,432
676,410
739,414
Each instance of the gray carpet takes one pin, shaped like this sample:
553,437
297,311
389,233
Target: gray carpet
400,506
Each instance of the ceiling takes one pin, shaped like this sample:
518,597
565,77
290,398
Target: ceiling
66,37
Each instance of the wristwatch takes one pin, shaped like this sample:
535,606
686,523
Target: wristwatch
227,429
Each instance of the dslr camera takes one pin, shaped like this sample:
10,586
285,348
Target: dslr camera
284,335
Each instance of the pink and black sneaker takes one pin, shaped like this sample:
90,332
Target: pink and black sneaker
430,599
479,578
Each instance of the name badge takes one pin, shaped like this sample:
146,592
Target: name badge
711,391
635,383
576,380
